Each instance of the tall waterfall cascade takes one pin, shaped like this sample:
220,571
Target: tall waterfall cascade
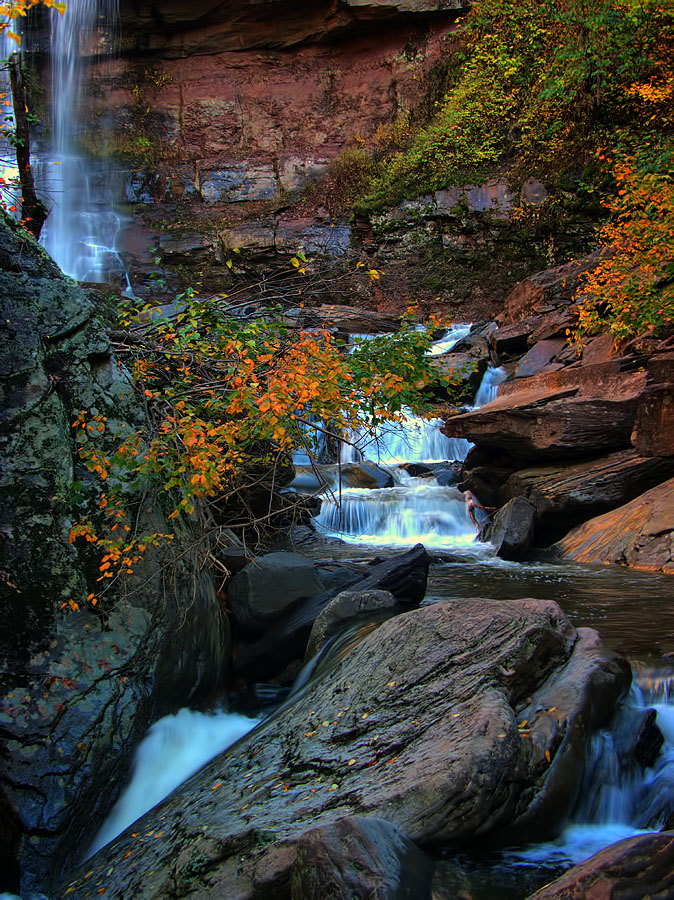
82,227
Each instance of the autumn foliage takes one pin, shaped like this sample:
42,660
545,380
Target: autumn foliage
632,288
228,399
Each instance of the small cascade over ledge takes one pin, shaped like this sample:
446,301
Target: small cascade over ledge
422,505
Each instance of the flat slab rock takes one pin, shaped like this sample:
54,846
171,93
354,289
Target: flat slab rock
639,534
638,868
457,722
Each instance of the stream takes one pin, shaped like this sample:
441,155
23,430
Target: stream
633,611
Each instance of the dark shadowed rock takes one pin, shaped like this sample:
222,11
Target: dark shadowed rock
649,740
512,529
403,575
79,688
360,857
422,724
346,606
639,868
266,588
639,534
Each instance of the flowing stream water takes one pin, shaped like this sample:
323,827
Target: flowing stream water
633,611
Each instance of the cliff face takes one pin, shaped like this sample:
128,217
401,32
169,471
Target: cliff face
221,114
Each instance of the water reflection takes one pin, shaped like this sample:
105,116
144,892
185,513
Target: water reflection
633,611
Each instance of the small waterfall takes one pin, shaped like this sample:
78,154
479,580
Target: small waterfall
174,748
413,440
415,509
82,227
417,512
618,798
488,389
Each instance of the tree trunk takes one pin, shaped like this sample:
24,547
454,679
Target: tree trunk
34,212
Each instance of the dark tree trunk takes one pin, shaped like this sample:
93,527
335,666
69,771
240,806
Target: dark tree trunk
34,212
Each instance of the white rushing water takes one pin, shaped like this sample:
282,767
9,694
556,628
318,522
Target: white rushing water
618,799
415,510
174,748
82,227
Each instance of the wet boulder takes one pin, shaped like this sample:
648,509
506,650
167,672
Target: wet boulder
269,586
512,529
638,868
639,534
459,723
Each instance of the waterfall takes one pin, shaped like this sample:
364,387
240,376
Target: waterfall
8,169
416,510
82,227
488,389
174,748
618,798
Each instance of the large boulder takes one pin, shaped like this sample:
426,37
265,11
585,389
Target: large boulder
268,587
461,722
79,688
638,868
567,494
638,534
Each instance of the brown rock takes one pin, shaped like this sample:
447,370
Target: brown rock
562,414
567,494
417,725
544,291
638,868
638,534
653,433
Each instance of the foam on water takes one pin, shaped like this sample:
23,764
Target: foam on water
174,748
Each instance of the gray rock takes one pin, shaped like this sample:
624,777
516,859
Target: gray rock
512,530
270,586
346,606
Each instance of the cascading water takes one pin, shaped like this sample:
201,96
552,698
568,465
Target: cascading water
619,799
174,748
417,509
82,227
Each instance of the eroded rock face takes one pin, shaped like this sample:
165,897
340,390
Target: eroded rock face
641,868
638,534
422,724
78,688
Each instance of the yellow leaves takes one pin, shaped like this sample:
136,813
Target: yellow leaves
374,274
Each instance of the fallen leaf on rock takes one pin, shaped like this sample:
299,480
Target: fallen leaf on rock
547,755
216,786
351,762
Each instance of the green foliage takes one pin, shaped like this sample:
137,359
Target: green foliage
542,86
